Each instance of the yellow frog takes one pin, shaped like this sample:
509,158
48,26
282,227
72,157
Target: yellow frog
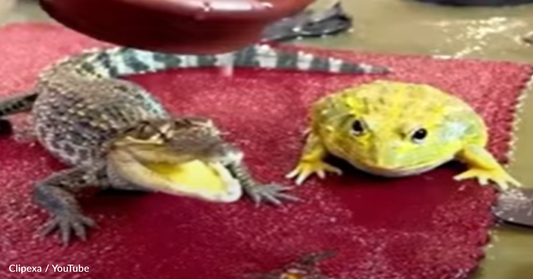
396,129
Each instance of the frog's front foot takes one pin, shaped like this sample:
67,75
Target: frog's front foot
308,168
502,179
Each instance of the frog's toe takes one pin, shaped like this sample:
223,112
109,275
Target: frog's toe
299,174
505,183
306,169
483,181
501,178
465,175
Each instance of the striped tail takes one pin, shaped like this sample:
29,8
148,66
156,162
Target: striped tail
120,61
117,62
17,104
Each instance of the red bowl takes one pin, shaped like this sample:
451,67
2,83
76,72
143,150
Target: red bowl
179,26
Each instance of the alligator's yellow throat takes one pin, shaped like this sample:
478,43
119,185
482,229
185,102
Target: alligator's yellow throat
396,129
195,178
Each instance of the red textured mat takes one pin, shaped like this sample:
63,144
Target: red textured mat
423,227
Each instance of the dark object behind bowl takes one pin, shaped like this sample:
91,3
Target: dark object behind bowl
309,24
515,206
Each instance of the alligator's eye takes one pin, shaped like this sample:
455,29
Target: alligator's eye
419,135
357,127
147,131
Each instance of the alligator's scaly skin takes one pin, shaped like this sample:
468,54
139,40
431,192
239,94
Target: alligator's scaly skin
397,129
79,106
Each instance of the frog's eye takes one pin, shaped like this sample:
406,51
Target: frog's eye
419,135
358,127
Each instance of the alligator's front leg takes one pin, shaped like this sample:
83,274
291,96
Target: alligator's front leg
56,194
273,193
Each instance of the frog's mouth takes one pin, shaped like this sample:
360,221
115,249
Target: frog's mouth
197,179
395,171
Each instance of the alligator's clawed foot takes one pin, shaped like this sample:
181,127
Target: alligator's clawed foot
271,193
68,223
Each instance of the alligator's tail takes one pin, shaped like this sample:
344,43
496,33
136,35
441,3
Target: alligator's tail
121,61
114,62
22,102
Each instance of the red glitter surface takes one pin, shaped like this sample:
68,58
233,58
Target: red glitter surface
427,226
